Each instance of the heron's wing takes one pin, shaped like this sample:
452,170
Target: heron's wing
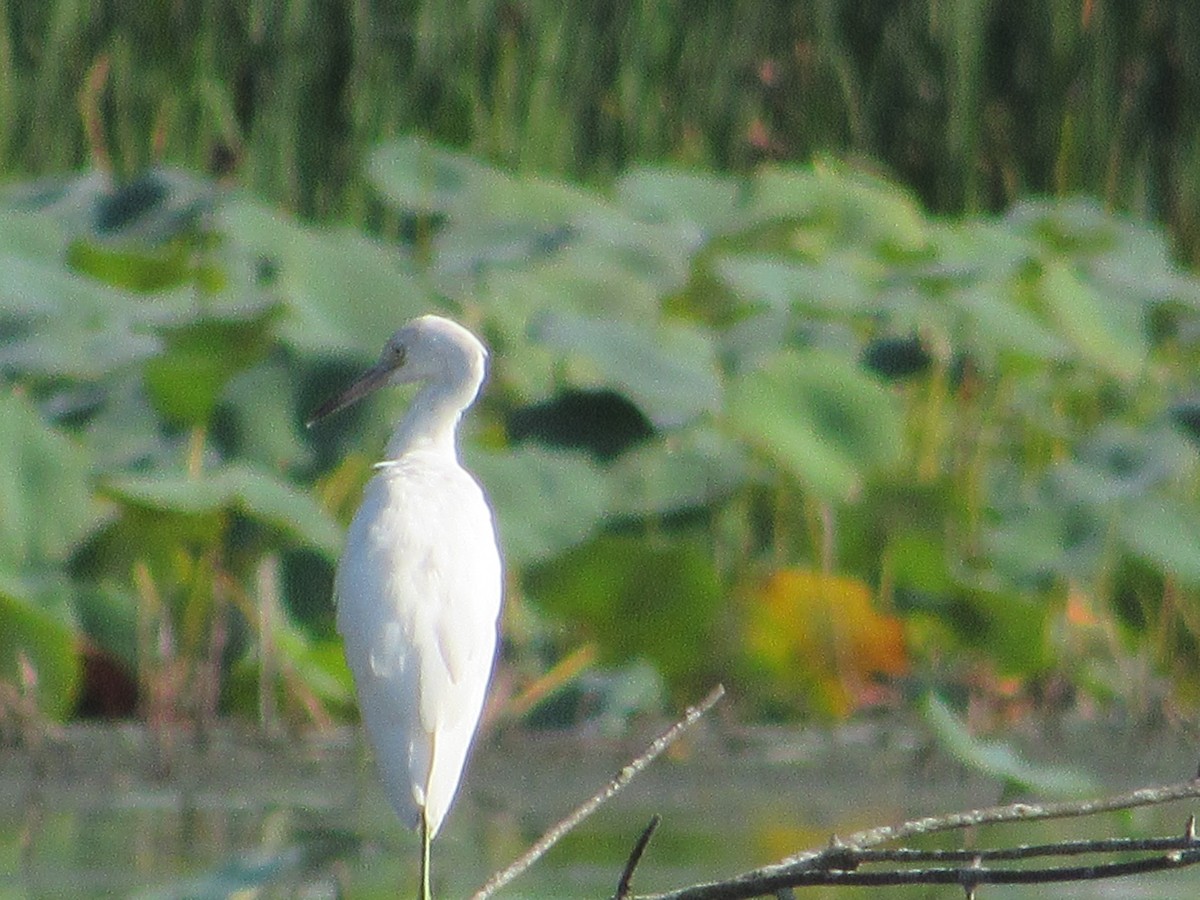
418,598
377,645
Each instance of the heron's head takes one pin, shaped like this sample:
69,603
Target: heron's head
428,348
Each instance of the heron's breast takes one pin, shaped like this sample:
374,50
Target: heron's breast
421,562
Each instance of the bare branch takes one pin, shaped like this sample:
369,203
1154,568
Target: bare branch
1023,851
837,864
635,857
1014,812
606,793
968,877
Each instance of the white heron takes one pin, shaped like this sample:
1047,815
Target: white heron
418,587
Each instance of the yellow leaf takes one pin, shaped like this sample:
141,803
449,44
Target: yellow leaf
821,639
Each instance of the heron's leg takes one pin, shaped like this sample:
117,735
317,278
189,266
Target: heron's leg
425,841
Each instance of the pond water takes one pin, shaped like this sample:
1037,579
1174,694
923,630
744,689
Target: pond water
93,814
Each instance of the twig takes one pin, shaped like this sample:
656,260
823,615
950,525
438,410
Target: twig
968,877
589,806
965,876
1013,812
836,864
1022,851
635,857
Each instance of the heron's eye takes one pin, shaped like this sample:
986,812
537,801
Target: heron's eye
395,354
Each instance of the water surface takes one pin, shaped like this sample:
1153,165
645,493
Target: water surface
95,813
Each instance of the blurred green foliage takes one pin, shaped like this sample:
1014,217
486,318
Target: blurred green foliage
971,406
986,425
973,104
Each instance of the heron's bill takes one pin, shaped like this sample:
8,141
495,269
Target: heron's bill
371,380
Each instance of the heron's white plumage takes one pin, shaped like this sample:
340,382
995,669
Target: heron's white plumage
418,587
418,597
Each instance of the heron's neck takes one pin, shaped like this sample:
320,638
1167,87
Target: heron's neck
431,422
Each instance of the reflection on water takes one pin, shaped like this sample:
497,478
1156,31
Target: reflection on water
304,817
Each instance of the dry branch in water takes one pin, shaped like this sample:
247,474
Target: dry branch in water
839,863
842,862
625,885
606,793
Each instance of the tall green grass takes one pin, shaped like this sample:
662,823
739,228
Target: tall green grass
970,102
